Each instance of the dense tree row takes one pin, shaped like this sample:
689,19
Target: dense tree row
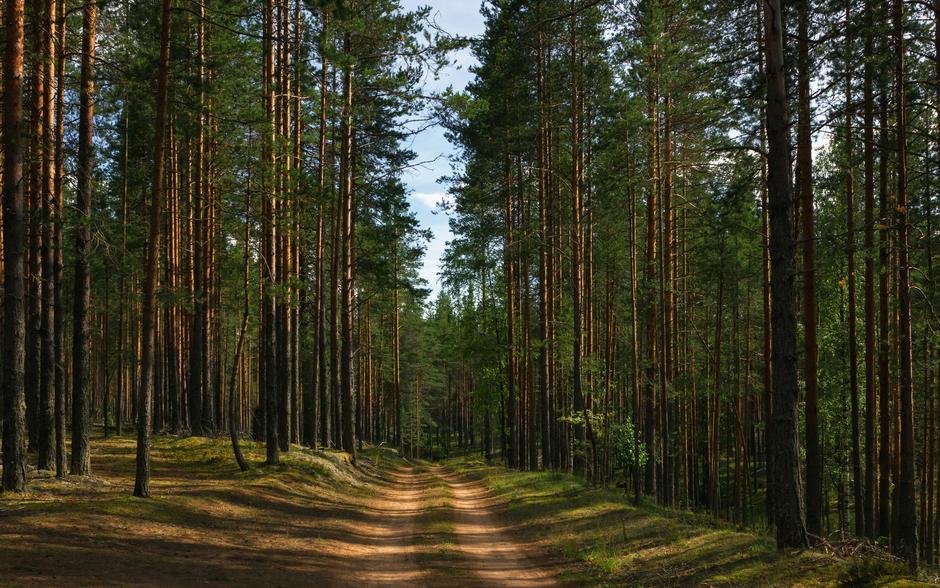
222,202
666,215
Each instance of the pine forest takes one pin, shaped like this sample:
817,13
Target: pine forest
488,293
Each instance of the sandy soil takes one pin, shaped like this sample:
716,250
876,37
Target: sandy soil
493,554
410,526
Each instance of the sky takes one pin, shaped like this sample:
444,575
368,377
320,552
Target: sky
457,17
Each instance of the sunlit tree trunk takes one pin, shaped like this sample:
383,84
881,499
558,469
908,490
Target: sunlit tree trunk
151,269
14,324
81,322
348,212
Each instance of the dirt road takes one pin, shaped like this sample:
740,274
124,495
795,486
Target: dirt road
405,526
492,553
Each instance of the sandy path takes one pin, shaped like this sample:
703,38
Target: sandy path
390,558
398,527
493,555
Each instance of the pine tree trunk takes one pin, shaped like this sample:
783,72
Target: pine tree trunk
322,386
47,430
269,358
905,544
59,327
197,327
348,212
783,430
151,269
871,467
850,253
81,321
233,427
14,323
649,423
804,174
577,247
884,343
544,413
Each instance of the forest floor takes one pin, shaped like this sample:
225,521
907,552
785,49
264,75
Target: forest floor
317,520
313,520
618,544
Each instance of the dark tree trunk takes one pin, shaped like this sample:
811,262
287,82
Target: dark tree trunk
905,544
783,431
884,314
850,252
804,158
197,361
269,357
871,451
322,385
47,442
61,456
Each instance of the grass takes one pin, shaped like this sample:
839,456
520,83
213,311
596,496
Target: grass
608,541
202,502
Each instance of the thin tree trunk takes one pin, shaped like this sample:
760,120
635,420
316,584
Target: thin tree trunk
871,466
577,245
905,544
348,212
233,427
60,372
884,344
804,159
850,252
81,362
322,386
269,358
151,275
544,414
649,421
197,360
47,429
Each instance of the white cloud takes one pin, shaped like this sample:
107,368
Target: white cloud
433,199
